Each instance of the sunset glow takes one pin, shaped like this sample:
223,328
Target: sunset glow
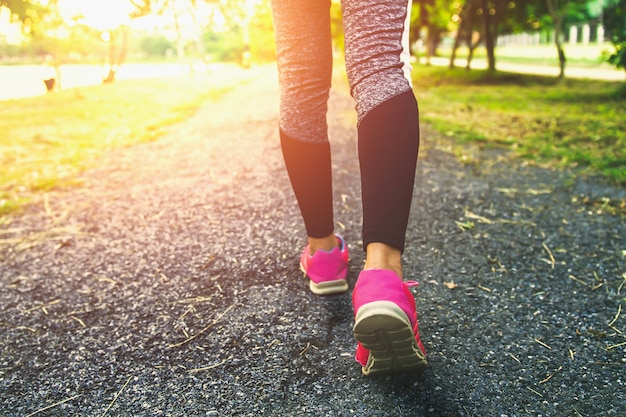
101,15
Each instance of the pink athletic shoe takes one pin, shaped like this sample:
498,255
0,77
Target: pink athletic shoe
386,324
327,270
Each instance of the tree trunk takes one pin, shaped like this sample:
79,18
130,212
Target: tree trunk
57,75
118,45
557,20
457,42
423,23
428,44
472,46
180,42
199,40
562,60
463,26
433,38
489,36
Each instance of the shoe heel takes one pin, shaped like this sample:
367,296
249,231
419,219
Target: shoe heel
385,330
337,286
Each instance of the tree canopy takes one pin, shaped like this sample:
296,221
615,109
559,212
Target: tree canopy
28,12
615,22
472,22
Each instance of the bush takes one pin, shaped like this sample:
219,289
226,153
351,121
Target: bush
224,46
156,46
614,17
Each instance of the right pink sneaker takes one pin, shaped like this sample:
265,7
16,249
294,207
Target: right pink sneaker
386,324
327,270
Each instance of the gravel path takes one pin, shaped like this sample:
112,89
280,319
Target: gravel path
168,284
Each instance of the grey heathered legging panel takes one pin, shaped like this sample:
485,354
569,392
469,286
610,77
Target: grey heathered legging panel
376,48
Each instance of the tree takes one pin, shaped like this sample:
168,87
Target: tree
557,10
435,17
556,15
615,22
500,17
27,12
57,36
155,45
48,33
490,32
468,25
238,15
117,42
182,16
482,21
241,14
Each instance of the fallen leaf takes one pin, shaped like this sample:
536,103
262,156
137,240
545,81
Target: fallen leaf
450,285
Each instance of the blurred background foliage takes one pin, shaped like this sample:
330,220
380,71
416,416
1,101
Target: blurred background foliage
241,30
45,140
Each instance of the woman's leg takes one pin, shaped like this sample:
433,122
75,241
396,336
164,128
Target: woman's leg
304,52
385,315
376,39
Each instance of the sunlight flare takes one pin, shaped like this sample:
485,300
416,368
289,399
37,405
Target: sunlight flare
101,15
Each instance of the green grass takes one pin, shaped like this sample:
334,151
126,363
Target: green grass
45,141
592,55
563,123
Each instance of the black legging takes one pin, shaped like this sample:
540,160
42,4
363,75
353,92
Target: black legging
376,54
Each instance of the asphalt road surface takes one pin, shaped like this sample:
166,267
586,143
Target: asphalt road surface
167,284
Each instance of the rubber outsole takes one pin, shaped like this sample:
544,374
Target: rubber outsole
384,329
336,286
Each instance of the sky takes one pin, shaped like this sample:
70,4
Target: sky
12,33
105,15
99,14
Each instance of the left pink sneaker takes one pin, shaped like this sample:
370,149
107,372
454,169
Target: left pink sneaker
327,270
386,324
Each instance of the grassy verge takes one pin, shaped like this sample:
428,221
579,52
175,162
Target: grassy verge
582,56
567,123
45,141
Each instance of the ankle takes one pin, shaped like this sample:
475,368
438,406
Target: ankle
382,256
327,243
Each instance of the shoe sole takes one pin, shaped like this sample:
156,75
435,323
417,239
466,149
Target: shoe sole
384,329
336,286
